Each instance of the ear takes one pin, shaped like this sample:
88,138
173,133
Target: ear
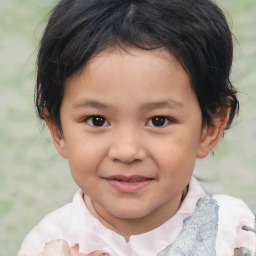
211,133
57,136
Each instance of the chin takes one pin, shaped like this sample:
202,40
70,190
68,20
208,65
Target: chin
129,213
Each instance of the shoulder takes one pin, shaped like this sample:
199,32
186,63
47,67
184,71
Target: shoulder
49,228
55,225
226,201
234,210
234,215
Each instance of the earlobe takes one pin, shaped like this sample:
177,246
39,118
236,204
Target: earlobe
57,137
212,133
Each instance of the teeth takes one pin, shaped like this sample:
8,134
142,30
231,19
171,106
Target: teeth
130,180
135,180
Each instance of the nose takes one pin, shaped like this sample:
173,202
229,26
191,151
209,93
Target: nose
127,147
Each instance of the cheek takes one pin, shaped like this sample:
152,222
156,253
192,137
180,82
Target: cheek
177,148
176,171
85,157
176,157
84,165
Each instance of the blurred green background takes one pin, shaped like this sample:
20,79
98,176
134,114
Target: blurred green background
34,180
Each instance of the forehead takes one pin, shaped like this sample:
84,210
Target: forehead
130,59
130,56
133,75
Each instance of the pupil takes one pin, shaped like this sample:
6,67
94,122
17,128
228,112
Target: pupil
98,121
158,121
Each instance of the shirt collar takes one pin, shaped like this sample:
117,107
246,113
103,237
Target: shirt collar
149,243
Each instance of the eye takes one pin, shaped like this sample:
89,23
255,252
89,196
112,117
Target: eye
97,121
159,121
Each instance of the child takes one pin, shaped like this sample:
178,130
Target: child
133,91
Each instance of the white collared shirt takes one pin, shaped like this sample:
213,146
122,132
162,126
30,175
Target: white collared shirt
79,223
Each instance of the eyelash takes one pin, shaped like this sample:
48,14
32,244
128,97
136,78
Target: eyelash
102,122
166,120
89,120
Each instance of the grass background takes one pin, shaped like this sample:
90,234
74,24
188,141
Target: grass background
34,180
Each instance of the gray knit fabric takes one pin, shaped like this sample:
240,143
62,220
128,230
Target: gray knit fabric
198,236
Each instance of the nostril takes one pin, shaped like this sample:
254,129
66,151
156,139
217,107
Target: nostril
126,160
127,153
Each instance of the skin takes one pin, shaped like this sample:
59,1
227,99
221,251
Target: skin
128,89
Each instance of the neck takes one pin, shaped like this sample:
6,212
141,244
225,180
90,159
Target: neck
135,226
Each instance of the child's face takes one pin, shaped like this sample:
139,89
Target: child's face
132,129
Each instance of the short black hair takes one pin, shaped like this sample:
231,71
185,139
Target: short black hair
195,32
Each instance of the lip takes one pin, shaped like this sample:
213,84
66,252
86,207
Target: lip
128,184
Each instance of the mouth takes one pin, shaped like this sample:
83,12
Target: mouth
128,184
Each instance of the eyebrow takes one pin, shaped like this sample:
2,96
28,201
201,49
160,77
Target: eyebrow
145,106
163,104
90,103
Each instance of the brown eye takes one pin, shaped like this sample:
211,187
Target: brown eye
97,121
158,121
